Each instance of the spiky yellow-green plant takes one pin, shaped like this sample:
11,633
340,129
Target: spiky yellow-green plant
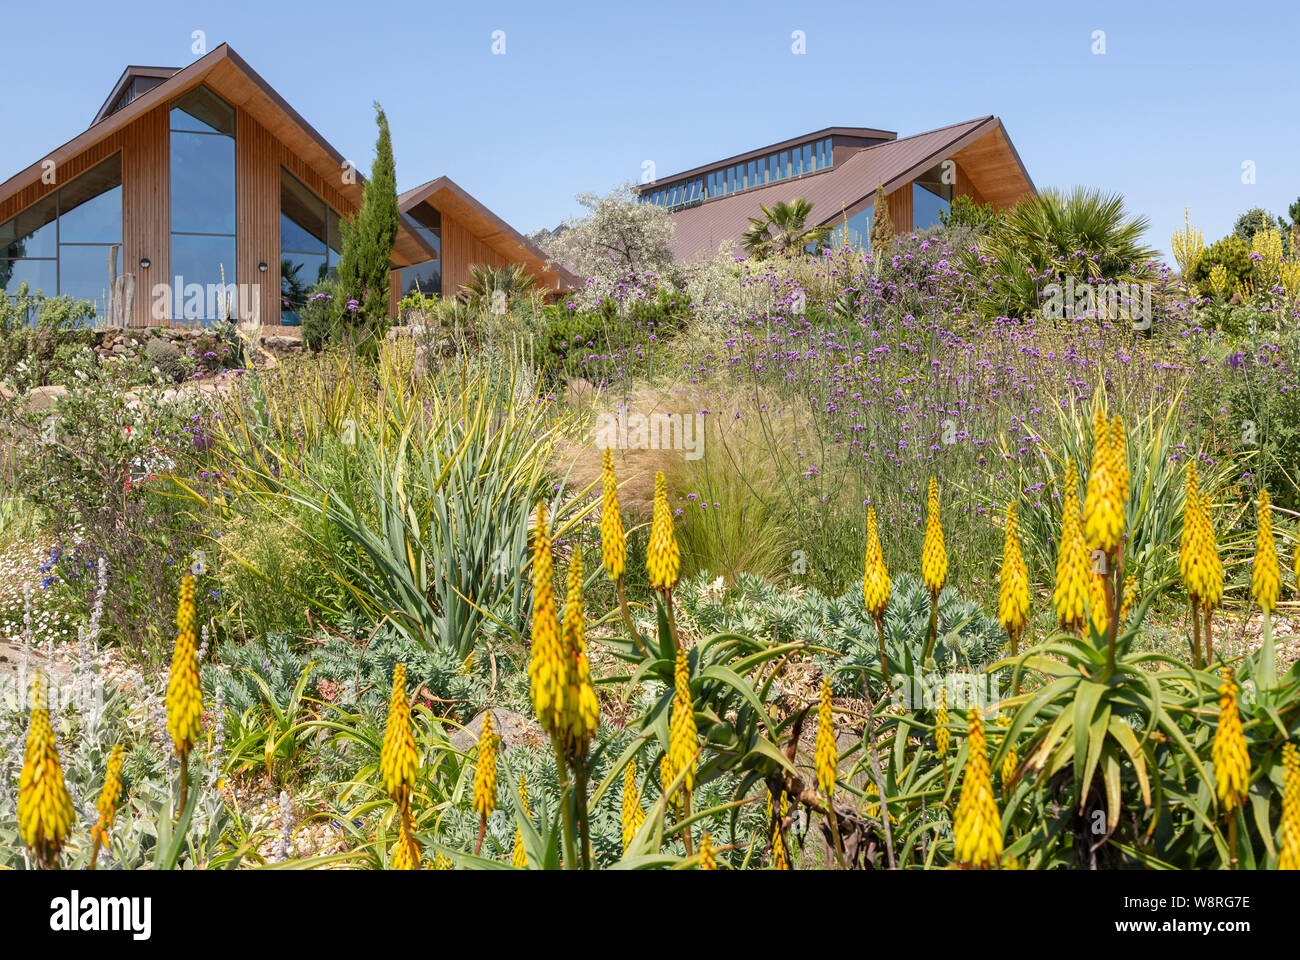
1219,279
1013,593
1212,588
109,797
399,761
707,860
1288,855
1103,510
44,806
1231,760
1190,551
1073,568
663,560
977,827
633,811
519,856
682,736
1267,244
485,772
1130,597
1265,581
579,708
826,752
613,541
942,731
546,663
934,558
1187,245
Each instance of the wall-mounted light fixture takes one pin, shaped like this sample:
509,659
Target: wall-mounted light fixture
262,266
144,263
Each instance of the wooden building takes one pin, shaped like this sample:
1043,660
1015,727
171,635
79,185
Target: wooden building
211,189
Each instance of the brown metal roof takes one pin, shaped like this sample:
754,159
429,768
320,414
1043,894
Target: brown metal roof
449,197
846,188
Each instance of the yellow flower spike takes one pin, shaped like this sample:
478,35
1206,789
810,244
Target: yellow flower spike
682,737
398,758
1013,595
1073,564
1097,603
519,856
779,861
942,732
406,852
1265,581
1119,463
707,860
546,663
666,777
1212,564
934,559
977,827
579,709
633,811
1130,598
1231,760
1189,552
1288,857
613,541
875,579
663,560
1103,512
45,811
184,696
1008,761
441,861
108,800
485,772
826,752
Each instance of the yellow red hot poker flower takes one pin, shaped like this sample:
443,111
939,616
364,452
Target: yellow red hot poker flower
546,663
1073,569
875,579
663,557
707,859
579,709
826,752
1265,581
1103,510
682,736
519,856
398,758
44,806
942,731
633,811
184,696
1231,759
613,541
107,803
934,558
977,827
485,773
1013,594
1288,857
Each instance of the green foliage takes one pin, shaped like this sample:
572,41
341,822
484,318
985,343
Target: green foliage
981,218
368,238
600,343
1233,252
882,225
782,229
42,337
1256,219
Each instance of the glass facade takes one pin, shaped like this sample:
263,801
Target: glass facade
858,233
203,206
425,277
310,241
60,244
779,165
930,197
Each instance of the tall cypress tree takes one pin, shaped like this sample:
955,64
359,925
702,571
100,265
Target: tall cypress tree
882,227
368,240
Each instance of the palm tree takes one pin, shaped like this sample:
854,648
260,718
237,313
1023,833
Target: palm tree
781,229
485,282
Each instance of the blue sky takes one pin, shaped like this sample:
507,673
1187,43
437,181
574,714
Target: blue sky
585,92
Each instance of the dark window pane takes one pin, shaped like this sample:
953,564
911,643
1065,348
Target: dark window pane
302,217
90,207
33,232
198,261
202,111
39,275
203,183
299,272
426,277
83,273
808,158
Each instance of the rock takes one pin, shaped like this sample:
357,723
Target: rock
6,393
282,345
514,729
42,398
